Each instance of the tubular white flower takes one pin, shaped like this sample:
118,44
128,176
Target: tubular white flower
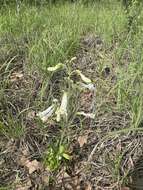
46,114
88,115
62,111
89,86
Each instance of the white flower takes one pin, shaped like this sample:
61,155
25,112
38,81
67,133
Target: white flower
44,115
89,86
58,115
88,115
62,110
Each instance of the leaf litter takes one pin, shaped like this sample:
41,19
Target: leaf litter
82,140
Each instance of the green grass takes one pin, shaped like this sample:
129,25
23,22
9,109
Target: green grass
50,35
13,129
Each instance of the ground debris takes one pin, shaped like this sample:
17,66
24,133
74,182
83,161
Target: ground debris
26,185
82,140
32,166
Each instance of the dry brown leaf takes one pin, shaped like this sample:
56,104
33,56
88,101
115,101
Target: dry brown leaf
23,161
33,166
88,187
62,175
25,152
31,114
82,140
26,186
16,76
119,147
45,179
125,188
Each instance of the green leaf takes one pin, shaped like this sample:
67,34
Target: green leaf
66,156
55,68
61,149
83,77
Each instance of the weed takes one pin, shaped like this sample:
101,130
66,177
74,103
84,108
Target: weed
55,155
